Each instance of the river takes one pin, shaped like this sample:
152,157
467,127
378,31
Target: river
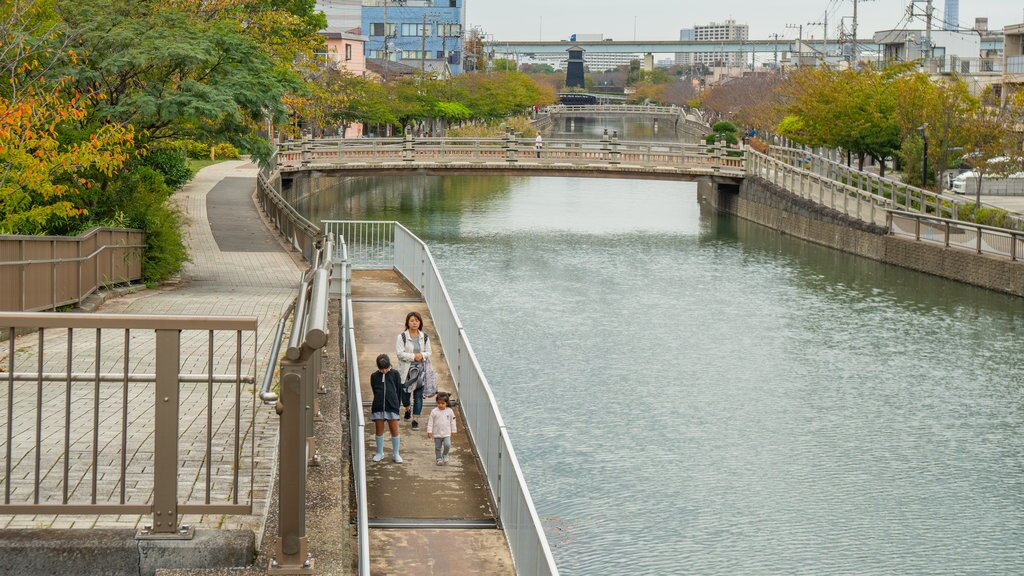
692,394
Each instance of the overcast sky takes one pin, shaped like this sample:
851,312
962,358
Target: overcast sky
662,19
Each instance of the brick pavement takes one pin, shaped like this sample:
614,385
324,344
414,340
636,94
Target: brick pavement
215,282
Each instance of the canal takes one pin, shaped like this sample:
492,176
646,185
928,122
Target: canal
692,394
654,128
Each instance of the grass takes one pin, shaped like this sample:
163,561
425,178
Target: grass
197,165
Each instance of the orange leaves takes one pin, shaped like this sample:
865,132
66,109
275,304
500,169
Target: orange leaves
41,169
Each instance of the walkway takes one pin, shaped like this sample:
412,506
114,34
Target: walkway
415,507
237,268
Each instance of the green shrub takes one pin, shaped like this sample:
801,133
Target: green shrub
140,197
193,149
724,127
225,152
476,131
171,163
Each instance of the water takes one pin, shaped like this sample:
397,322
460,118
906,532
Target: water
646,129
691,394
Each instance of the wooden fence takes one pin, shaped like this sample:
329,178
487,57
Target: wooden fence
46,272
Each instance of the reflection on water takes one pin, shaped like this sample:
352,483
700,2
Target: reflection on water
661,129
692,394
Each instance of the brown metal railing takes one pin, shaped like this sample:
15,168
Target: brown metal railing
95,406
297,404
298,231
46,272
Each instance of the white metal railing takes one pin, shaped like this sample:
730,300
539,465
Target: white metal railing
370,243
357,422
530,550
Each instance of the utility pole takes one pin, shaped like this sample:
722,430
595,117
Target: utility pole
928,30
775,37
800,40
825,24
423,46
855,49
385,40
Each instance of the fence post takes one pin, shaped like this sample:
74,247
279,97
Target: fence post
408,146
165,445
291,552
616,154
511,144
305,153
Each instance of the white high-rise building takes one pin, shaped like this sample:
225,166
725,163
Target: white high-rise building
724,31
685,59
342,15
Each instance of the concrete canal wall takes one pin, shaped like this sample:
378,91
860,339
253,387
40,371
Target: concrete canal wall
760,201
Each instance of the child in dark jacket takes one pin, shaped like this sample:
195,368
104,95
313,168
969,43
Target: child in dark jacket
385,384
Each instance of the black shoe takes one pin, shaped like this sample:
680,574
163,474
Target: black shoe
408,413
415,425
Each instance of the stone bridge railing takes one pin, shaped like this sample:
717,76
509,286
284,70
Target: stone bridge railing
607,155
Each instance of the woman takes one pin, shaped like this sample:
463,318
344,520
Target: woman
412,346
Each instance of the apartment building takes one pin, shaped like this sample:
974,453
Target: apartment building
419,33
720,31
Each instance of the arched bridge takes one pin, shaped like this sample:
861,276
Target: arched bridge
607,157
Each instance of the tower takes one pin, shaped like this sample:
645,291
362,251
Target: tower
574,69
951,16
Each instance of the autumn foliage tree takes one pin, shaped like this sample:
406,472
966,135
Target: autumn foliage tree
44,164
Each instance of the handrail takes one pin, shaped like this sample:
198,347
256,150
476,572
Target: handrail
991,240
266,395
796,155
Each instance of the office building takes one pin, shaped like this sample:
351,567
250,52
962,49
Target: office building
685,59
724,31
418,33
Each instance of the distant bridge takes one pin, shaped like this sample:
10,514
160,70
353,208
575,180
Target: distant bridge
528,47
660,46
607,157
688,124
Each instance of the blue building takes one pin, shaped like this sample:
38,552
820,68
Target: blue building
420,33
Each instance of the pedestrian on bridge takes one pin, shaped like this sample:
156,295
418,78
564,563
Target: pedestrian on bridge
386,385
440,427
412,347
538,144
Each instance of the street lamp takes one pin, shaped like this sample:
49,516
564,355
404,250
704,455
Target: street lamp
924,155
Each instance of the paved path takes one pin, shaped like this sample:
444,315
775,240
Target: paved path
236,268
418,492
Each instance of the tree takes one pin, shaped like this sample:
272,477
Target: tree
942,108
46,158
991,148
170,75
850,109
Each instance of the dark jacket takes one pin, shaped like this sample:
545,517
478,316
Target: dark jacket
385,391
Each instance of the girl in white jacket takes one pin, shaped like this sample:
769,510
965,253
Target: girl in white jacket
440,427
